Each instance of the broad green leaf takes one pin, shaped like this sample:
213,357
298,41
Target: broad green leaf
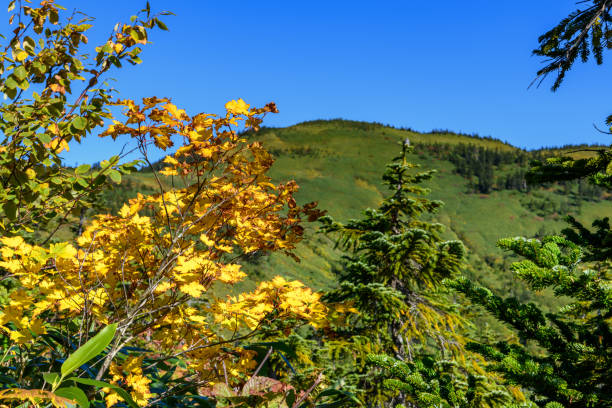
102,384
82,169
79,123
115,176
51,378
135,35
290,398
75,394
20,73
340,399
10,210
39,67
29,44
89,350
82,182
11,92
43,137
23,84
10,83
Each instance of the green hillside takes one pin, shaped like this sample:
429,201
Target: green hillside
339,164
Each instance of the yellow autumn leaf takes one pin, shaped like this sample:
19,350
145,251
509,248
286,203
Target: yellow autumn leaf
194,289
168,172
238,107
207,241
170,160
62,250
58,145
162,141
21,55
12,242
230,274
163,286
174,111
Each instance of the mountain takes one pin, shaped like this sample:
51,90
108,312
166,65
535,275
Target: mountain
339,164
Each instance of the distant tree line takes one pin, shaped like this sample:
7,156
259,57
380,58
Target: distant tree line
495,169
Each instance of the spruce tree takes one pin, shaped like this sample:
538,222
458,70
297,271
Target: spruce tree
584,33
563,358
572,363
429,383
397,260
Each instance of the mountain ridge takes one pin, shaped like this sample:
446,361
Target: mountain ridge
434,133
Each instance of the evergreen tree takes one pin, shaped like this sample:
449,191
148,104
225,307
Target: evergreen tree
571,363
444,384
598,169
582,33
572,366
392,277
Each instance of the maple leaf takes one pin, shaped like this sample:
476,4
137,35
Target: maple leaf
194,289
238,107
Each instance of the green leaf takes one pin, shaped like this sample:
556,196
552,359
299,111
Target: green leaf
339,398
115,176
75,394
53,16
23,85
10,210
51,378
39,67
82,169
10,83
20,73
43,137
29,44
161,25
290,398
101,384
135,35
79,123
89,350
82,182
11,92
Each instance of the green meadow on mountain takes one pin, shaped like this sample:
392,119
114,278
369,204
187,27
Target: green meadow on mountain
339,163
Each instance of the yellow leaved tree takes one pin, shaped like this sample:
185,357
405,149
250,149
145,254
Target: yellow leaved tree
123,314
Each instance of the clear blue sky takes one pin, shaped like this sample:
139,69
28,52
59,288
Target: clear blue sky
459,65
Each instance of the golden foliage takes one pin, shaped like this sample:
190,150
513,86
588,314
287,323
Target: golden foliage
150,267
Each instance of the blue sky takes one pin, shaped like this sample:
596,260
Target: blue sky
464,66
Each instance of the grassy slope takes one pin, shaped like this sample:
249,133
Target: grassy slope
340,163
